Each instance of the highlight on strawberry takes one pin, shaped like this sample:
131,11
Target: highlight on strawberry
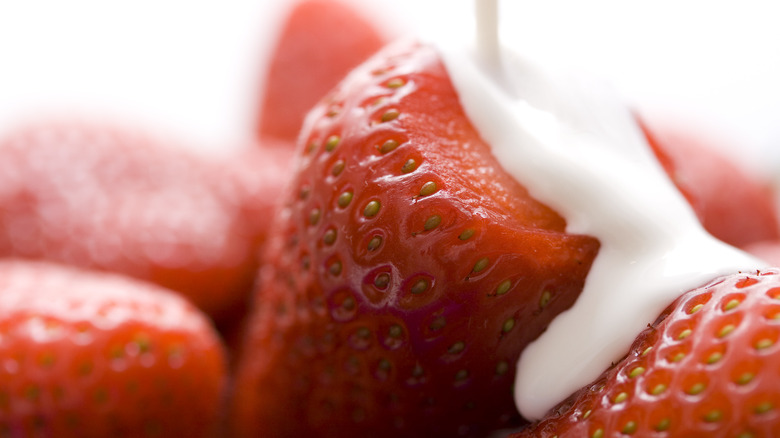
409,270
319,43
708,366
406,270
86,354
112,198
433,238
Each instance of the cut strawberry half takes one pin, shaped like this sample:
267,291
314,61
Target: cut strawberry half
406,272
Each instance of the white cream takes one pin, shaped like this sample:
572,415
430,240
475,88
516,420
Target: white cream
580,151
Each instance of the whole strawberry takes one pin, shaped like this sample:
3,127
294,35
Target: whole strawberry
406,272
103,197
707,367
86,354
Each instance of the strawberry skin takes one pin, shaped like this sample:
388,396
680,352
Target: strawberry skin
406,272
768,250
87,354
707,367
320,42
733,205
107,198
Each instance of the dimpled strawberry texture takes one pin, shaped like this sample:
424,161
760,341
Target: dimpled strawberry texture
86,354
405,273
109,198
708,367
734,205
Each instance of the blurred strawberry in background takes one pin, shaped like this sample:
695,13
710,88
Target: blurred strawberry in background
88,354
320,42
735,203
113,199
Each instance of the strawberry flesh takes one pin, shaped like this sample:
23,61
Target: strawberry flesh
406,272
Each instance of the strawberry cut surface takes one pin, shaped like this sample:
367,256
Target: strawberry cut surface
405,273
707,367
86,354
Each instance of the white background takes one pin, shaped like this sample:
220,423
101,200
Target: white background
191,69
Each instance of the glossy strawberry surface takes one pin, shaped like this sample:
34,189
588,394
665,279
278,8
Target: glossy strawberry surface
112,199
86,354
405,273
319,43
733,203
707,367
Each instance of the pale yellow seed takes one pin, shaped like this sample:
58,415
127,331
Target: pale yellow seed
480,265
731,305
332,142
509,324
695,309
726,330
428,188
345,199
390,115
388,146
372,209
503,287
395,83
432,222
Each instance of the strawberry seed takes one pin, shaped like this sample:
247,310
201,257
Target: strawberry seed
344,199
409,166
332,142
372,209
337,168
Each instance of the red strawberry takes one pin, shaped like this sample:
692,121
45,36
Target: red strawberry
110,199
768,250
406,273
707,367
321,41
732,204
86,354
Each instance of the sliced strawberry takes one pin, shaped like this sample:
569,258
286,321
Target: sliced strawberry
406,273
110,199
320,42
732,204
707,367
88,354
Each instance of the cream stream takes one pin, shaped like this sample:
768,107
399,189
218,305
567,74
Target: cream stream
580,151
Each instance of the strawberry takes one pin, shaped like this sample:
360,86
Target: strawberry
706,367
320,42
733,205
405,273
87,354
110,199
768,250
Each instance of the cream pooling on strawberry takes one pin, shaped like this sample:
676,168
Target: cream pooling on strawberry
580,151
